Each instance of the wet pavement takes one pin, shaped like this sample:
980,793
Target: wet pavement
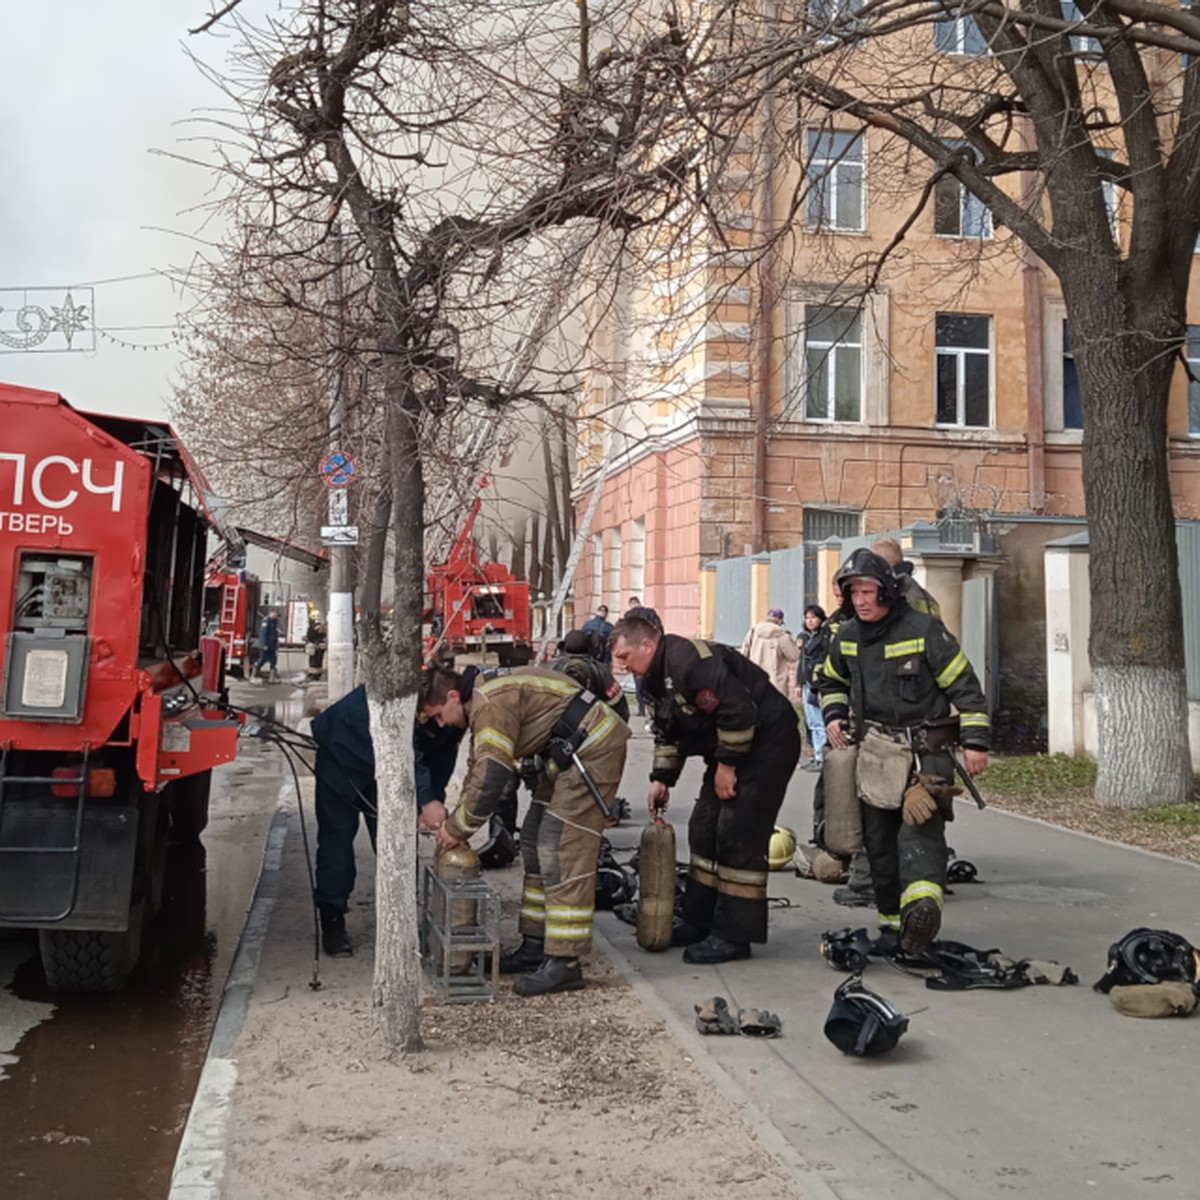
95,1090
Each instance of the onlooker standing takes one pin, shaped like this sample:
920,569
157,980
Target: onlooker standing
268,646
599,624
814,645
770,646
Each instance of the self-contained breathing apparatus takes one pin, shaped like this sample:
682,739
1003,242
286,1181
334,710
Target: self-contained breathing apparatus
567,736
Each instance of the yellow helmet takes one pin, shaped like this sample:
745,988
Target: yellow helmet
783,846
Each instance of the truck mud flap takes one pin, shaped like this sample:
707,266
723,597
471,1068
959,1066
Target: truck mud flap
38,865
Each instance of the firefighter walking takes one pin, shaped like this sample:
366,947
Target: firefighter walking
537,713
898,672
711,701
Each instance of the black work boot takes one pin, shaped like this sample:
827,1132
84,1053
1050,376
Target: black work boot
334,940
920,923
556,974
525,957
716,949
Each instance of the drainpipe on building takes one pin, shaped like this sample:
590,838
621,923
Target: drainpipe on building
1035,397
761,384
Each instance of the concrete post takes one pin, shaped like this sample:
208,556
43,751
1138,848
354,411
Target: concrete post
943,580
707,614
1068,614
760,588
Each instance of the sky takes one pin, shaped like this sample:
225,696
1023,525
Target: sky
88,92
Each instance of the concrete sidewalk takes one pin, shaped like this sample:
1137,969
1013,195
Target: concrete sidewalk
1042,1092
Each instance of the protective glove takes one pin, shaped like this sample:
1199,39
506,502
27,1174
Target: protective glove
918,805
713,1016
757,1022
939,788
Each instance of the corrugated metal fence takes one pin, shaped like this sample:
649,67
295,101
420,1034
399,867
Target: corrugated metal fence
732,617
1187,538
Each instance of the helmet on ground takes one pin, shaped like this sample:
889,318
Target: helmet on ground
866,564
846,949
500,850
783,846
863,1023
1149,956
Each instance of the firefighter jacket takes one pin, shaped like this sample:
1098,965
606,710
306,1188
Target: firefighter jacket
901,672
596,677
511,718
708,701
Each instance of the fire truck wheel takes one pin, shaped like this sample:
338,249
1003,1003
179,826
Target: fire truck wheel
188,802
88,960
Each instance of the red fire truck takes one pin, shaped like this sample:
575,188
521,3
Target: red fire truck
111,713
473,605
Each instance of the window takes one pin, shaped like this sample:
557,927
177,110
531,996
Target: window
614,567
958,213
831,19
1193,364
1109,188
964,385
1072,405
833,357
1083,47
835,193
959,35
637,558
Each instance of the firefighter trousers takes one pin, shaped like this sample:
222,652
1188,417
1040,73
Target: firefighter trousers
729,840
907,861
560,840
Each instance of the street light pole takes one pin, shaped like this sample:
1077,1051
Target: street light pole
340,628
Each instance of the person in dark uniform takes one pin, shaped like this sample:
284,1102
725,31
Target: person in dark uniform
711,701
899,671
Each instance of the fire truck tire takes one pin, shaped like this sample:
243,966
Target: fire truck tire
188,802
87,960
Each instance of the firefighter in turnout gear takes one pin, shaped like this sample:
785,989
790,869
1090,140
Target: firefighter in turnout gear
534,712
575,658
899,672
711,701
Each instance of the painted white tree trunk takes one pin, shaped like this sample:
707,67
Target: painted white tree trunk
396,994
1142,747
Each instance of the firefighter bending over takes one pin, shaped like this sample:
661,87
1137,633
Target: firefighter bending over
711,701
899,671
537,713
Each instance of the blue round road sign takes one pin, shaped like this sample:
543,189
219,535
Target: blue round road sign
337,469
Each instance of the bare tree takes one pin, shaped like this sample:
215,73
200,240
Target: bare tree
457,139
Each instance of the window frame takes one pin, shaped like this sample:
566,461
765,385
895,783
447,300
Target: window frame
823,185
960,355
961,26
965,198
829,367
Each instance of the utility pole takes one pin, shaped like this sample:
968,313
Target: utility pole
340,631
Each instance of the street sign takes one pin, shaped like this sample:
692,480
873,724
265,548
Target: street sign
337,469
339,507
339,535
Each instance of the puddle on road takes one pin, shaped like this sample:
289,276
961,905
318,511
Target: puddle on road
96,1101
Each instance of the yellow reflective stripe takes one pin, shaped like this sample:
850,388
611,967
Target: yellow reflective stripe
707,863
562,687
921,890
889,920
493,737
732,873
568,913
533,894
831,672
958,664
904,649
463,821
534,914
735,737
831,698
850,649
743,891
702,648
603,727
973,719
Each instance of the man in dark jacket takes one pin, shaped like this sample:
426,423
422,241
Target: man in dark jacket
711,701
899,672
600,627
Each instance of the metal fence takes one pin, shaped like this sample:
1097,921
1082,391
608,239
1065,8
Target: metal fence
1187,538
732,618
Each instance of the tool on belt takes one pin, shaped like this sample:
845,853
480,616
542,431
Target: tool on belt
944,734
565,739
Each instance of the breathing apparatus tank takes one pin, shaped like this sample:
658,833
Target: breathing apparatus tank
843,809
458,864
656,885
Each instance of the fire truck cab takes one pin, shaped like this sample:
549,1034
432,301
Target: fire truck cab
111,697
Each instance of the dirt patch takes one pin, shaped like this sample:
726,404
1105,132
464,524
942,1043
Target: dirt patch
564,1097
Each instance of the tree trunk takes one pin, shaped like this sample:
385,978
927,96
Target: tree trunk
396,991
1136,635
519,535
